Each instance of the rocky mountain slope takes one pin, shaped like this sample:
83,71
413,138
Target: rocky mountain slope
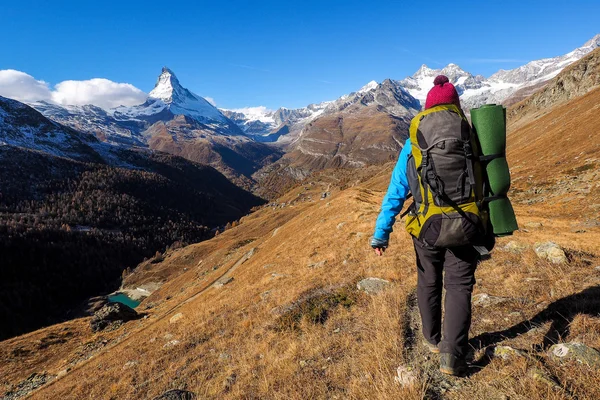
206,136
290,278
574,81
474,90
75,212
364,128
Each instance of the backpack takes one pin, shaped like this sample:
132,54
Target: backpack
445,180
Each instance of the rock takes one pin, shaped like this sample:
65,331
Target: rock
486,300
172,343
543,376
550,251
112,313
515,247
318,264
372,285
340,225
27,386
176,395
63,373
405,376
575,352
176,318
223,281
275,275
224,357
506,352
533,225
130,364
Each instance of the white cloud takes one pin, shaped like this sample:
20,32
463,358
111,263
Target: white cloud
211,101
99,92
23,87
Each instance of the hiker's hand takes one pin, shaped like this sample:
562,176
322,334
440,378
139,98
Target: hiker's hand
379,245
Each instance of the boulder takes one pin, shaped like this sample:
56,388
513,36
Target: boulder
405,376
486,300
176,395
372,285
506,352
223,281
317,264
575,352
176,318
550,251
515,247
110,314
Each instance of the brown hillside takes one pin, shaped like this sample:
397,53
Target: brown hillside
575,80
555,159
291,325
342,140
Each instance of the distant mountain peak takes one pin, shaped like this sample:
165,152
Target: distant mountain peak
593,42
423,71
368,87
167,87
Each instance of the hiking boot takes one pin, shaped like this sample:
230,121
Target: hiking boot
452,365
431,347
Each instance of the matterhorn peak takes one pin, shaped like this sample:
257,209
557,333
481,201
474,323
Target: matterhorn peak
166,86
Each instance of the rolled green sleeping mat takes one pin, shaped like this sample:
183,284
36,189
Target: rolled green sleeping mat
489,124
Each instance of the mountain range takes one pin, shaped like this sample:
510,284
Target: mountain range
245,144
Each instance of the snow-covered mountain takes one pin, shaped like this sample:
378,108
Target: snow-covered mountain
265,125
285,125
168,96
173,120
477,90
21,126
126,125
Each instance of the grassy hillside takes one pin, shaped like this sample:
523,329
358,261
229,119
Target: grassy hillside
269,308
68,228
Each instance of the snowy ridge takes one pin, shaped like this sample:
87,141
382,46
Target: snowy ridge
477,90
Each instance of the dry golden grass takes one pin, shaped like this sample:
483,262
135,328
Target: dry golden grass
306,258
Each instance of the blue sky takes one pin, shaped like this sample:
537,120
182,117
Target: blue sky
282,53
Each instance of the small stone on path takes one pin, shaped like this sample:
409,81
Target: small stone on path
486,300
176,318
515,247
405,376
223,281
372,285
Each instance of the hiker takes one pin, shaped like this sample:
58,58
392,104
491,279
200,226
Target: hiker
435,167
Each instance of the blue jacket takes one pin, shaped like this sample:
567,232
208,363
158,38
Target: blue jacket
396,194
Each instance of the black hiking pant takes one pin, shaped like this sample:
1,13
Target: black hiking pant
458,266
